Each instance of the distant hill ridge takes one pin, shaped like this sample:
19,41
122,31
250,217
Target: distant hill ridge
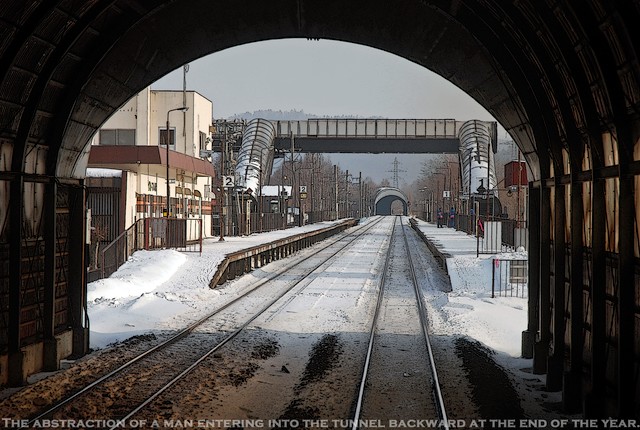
290,115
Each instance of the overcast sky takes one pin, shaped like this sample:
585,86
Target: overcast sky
327,78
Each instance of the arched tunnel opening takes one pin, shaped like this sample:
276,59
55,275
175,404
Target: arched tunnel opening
562,79
391,201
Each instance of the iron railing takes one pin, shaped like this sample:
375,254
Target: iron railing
120,249
509,278
151,233
261,223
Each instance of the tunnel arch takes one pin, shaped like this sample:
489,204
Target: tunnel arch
134,48
384,199
563,79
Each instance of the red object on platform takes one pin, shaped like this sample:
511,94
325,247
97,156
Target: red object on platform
511,171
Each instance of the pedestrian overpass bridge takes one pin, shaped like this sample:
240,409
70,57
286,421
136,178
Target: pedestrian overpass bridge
371,136
263,140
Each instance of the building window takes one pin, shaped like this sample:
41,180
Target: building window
172,137
118,136
203,141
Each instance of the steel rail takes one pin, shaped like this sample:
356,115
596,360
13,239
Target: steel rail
423,322
372,335
425,330
236,332
190,328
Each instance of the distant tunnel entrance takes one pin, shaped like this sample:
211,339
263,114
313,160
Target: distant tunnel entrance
386,202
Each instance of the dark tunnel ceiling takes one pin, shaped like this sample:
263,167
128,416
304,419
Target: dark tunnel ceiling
67,65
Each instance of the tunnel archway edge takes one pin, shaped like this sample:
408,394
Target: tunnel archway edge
563,80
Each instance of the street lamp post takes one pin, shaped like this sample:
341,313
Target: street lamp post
168,141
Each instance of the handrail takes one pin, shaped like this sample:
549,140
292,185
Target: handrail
176,233
118,239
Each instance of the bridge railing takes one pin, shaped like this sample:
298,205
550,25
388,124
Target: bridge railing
370,128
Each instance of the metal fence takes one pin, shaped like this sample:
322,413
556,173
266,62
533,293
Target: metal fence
466,223
120,249
509,278
514,234
261,223
151,233
502,235
175,233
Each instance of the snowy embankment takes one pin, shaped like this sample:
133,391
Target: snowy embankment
165,289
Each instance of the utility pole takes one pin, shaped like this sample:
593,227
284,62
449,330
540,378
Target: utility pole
313,194
185,69
335,182
223,150
365,200
260,195
488,177
281,204
346,193
360,194
293,180
321,194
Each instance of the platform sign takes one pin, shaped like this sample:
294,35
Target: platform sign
303,189
446,194
228,181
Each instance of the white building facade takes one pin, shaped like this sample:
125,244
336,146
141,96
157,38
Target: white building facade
133,141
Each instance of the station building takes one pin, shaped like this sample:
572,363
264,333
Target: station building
127,170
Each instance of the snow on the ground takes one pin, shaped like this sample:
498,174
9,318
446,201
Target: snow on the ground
159,290
469,309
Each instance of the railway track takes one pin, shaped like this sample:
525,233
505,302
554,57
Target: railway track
394,342
132,386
